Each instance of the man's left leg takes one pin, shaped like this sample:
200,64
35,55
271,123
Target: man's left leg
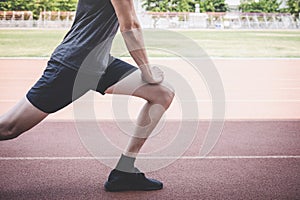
158,97
22,117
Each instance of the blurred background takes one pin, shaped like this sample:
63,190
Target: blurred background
219,14
254,44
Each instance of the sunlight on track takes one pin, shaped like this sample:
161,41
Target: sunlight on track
153,158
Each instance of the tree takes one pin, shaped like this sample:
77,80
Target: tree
213,6
294,7
16,5
265,6
36,6
185,5
168,6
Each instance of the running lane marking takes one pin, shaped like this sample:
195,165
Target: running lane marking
154,158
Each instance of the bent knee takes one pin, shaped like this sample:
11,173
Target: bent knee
8,136
8,132
164,96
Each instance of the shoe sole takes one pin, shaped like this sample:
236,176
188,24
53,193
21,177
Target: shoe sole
109,189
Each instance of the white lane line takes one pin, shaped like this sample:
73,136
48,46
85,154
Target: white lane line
253,58
171,58
294,88
198,101
285,79
154,158
24,58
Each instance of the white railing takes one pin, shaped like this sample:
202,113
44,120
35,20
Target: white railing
16,19
219,20
181,20
47,19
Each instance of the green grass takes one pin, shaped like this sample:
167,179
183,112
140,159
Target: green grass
29,43
248,43
216,43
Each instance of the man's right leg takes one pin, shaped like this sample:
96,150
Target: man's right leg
52,92
22,117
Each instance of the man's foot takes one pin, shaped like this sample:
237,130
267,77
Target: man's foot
125,181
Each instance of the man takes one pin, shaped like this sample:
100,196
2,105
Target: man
84,53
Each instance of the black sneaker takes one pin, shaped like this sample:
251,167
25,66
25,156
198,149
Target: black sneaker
125,181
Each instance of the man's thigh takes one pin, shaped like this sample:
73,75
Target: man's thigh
54,90
133,85
115,73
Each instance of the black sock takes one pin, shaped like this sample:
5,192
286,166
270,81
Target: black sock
126,164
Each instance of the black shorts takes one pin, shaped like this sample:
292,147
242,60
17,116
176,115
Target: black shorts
60,85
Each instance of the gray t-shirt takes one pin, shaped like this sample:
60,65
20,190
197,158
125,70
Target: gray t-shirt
87,45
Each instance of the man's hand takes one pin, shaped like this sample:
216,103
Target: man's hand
152,75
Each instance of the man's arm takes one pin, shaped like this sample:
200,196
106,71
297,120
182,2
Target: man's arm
133,37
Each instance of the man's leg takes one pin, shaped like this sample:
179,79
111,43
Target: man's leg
22,117
159,98
52,92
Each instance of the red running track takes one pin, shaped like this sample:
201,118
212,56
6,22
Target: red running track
254,88
253,159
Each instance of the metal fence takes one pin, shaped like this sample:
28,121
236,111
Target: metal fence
181,20
219,20
47,19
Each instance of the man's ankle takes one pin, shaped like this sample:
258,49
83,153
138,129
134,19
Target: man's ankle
125,164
